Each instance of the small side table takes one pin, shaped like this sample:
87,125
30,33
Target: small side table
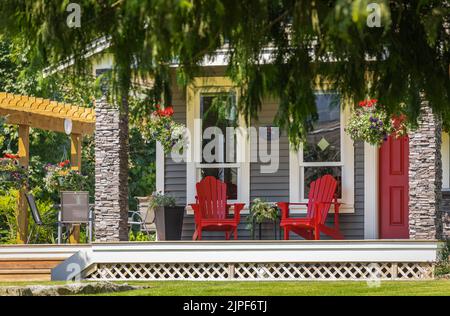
276,230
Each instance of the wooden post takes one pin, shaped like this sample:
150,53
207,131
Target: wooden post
75,162
75,151
22,207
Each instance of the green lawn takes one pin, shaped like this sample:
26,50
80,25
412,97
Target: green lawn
186,288
175,288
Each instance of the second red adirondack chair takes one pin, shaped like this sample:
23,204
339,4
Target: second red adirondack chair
322,194
211,212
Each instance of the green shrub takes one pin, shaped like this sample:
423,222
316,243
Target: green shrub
8,226
141,236
49,216
443,264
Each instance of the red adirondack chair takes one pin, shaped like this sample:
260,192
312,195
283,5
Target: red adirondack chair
322,195
211,212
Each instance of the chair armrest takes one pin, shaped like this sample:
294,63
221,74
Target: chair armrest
197,213
237,208
284,207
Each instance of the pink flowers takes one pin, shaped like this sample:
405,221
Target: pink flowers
368,103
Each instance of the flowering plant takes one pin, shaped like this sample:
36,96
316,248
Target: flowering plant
261,211
12,175
370,123
61,177
163,128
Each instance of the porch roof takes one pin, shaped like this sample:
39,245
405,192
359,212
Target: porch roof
46,114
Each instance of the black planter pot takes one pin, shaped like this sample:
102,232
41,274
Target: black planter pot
169,222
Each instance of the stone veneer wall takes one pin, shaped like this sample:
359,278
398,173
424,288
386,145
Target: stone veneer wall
111,173
425,178
446,213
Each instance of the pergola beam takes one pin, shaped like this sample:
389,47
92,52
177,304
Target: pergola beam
45,122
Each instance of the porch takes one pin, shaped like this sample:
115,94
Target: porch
370,260
253,260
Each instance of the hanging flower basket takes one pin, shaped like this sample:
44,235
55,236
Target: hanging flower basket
12,175
60,177
162,128
369,122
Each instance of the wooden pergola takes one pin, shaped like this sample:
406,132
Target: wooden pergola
29,112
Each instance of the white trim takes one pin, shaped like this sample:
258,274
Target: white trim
296,166
160,174
21,252
445,152
193,92
371,165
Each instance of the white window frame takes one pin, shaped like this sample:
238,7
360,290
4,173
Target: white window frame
296,166
212,85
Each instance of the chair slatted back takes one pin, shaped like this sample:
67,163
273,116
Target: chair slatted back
33,208
75,207
321,190
212,198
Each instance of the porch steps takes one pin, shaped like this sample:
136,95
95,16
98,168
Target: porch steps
28,263
27,269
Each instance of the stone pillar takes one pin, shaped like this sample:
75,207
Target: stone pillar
111,173
425,178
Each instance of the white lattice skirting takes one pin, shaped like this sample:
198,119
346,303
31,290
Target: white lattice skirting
262,271
250,260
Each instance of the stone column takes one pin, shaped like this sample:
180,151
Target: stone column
425,178
111,173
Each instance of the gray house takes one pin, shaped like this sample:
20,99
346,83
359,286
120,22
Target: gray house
394,192
398,191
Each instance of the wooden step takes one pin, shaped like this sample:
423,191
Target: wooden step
27,270
29,264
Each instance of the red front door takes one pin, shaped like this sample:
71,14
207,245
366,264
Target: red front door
394,188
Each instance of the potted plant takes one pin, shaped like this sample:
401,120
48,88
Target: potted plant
168,216
261,212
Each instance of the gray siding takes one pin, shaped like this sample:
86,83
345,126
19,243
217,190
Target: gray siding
272,187
175,173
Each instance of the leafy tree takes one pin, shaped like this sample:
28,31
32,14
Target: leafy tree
411,47
403,60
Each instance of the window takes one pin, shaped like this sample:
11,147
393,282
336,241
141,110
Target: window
219,148
326,150
218,114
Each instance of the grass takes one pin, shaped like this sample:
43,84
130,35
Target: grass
391,288
186,288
